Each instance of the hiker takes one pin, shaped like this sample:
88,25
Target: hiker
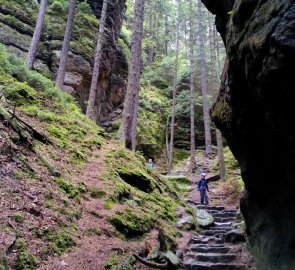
151,164
203,188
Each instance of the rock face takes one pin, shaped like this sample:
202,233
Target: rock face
17,22
254,112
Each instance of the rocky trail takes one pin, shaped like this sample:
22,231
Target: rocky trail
221,246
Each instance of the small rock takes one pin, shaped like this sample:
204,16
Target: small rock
235,236
63,263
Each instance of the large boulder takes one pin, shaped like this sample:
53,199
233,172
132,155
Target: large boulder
254,110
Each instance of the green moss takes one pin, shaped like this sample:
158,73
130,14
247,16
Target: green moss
72,191
109,204
180,155
25,260
61,241
112,263
152,115
19,218
132,224
93,231
96,193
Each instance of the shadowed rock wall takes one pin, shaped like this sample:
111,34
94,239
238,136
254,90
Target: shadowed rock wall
255,112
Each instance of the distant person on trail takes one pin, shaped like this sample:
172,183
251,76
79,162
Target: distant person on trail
151,164
203,188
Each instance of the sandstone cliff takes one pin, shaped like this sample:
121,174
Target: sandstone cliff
254,112
17,22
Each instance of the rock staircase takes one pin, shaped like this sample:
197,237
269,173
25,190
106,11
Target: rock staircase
217,248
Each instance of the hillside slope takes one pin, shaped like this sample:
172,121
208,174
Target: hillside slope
63,183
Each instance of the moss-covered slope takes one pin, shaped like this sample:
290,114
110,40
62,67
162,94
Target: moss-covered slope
53,174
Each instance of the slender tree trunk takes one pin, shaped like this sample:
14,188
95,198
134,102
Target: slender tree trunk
170,159
37,35
65,47
214,89
127,130
203,79
152,36
90,112
166,36
192,89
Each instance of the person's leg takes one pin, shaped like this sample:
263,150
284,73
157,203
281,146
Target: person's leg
206,198
202,196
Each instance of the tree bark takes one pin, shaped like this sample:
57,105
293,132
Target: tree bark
170,156
90,112
127,130
37,35
192,90
65,47
203,80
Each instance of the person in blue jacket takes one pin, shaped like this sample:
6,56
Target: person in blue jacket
203,188
151,164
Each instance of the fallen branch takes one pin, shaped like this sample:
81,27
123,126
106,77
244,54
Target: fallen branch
45,161
151,264
24,130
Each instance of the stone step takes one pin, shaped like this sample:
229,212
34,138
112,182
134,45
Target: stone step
206,240
213,232
224,215
230,211
219,228
223,223
221,250
219,266
208,207
215,258
214,227
206,245
227,219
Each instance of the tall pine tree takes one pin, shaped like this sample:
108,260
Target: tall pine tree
37,35
65,47
127,130
192,88
203,79
177,35
90,112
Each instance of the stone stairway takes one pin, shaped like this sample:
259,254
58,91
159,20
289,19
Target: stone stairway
213,249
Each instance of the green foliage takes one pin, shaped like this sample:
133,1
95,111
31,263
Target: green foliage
132,224
93,231
151,121
60,241
18,217
72,191
96,193
25,260
59,6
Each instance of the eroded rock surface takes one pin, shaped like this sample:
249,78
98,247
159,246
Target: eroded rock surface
17,22
255,113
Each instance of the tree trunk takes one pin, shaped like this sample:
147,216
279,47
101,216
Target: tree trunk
127,130
90,112
37,35
192,90
65,47
170,159
203,79
166,36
